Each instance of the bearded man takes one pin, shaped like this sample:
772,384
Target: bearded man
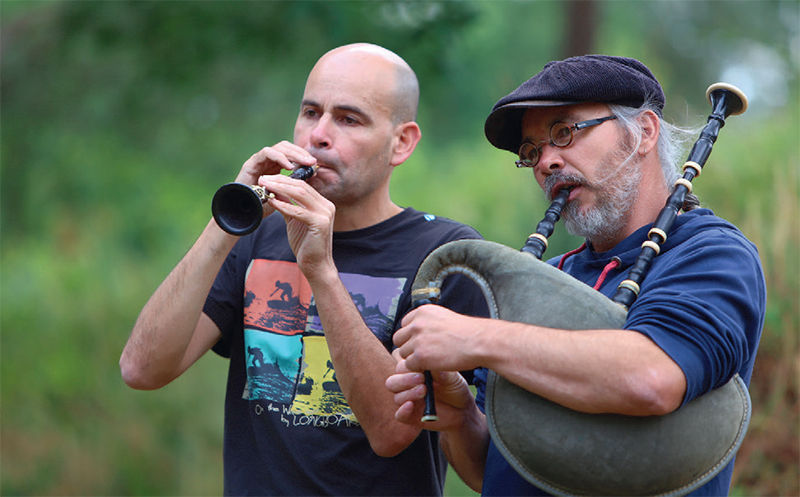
593,124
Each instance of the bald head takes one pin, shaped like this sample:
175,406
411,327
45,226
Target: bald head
404,88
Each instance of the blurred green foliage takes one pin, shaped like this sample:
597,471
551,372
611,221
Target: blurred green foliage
120,119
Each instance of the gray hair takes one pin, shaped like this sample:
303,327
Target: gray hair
673,143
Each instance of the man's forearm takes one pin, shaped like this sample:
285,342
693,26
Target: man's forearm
466,449
597,371
362,365
156,352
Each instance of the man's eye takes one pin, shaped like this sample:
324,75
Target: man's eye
349,120
561,134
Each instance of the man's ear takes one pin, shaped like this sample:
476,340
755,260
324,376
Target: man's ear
407,135
650,130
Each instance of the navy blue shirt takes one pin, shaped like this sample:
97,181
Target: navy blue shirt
703,302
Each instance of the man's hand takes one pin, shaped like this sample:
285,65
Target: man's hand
436,338
464,433
453,397
309,224
270,160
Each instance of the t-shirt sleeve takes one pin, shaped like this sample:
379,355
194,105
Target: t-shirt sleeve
224,306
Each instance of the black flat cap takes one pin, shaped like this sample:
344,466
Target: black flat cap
588,78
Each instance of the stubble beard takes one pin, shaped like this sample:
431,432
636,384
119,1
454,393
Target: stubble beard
615,195
343,187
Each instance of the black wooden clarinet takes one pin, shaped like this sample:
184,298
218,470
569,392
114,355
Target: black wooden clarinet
237,208
726,100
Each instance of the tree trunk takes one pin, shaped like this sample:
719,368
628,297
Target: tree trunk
581,28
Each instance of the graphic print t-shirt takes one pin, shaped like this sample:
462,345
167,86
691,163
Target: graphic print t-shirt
286,353
288,427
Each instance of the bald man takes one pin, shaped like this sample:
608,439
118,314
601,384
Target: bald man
306,410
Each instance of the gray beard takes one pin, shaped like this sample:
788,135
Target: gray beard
615,196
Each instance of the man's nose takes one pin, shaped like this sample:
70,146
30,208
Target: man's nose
550,159
320,133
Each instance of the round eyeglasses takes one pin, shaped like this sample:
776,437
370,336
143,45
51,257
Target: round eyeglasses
560,136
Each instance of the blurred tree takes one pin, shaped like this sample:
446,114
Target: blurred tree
137,67
120,119
581,29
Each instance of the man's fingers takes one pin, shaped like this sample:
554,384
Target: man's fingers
407,413
400,382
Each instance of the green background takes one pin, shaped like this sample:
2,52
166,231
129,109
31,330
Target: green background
119,120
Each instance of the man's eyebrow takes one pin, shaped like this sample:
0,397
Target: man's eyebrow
339,108
352,108
564,117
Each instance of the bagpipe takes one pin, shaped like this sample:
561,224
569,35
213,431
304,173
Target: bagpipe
566,452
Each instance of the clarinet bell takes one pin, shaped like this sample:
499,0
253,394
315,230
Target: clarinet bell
237,208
